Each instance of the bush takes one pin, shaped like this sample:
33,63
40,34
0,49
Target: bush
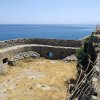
80,54
85,54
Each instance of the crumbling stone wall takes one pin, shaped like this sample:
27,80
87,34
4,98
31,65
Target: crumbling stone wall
48,48
53,42
43,50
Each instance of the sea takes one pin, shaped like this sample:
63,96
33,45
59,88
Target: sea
52,31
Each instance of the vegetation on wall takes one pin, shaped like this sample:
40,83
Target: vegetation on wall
86,55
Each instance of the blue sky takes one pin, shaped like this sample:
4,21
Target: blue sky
49,11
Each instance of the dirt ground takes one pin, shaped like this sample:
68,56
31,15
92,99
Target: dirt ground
37,79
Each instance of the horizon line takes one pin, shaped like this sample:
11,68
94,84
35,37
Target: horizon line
48,24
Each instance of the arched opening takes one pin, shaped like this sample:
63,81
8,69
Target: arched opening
5,60
50,54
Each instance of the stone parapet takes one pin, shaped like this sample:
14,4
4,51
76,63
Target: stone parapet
53,42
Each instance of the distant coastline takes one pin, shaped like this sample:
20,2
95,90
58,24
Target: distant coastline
84,37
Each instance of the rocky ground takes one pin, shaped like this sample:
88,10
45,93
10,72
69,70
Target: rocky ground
37,79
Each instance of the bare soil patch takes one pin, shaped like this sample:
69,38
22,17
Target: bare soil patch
37,79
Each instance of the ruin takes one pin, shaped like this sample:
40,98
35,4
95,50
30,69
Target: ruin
47,48
17,49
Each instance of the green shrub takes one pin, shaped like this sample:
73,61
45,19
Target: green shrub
85,54
80,54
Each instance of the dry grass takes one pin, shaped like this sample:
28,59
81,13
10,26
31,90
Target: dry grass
50,87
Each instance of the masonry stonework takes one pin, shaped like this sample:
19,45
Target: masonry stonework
53,42
47,48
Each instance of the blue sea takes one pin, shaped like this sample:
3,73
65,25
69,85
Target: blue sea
66,32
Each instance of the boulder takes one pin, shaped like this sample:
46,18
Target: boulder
70,58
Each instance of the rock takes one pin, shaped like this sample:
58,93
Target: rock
3,69
70,58
12,63
94,81
17,57
22,55
43,87
26,55
94,97
35,55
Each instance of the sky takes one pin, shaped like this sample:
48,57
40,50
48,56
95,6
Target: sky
49,11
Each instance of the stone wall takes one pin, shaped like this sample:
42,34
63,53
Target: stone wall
47,48
53,42
43,50
96,78
97,68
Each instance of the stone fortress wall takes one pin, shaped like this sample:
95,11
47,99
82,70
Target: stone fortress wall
48,48
53,42
96,39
